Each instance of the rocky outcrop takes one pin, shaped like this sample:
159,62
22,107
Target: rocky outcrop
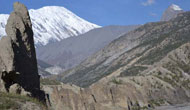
18,64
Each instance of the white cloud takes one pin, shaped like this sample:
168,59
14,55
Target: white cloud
148,2
153,14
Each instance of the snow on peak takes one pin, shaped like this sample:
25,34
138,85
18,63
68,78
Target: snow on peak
175,7
53,23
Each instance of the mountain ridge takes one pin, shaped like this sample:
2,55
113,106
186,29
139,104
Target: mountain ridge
71,51
132,48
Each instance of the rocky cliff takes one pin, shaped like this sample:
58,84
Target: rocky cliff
18,64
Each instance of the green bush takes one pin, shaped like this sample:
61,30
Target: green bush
116,81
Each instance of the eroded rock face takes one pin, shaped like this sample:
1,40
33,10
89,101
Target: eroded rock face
18,63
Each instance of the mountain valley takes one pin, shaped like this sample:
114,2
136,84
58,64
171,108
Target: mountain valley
72,51
61,62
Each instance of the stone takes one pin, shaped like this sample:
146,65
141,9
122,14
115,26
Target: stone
18,64
17,89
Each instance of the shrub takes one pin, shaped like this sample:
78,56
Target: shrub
116,81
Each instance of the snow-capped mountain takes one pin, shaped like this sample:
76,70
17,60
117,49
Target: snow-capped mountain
175,7
171,12
3,22
52,23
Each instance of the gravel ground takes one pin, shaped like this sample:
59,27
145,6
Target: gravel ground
176,107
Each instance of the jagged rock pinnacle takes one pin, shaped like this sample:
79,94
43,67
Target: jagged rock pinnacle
18,64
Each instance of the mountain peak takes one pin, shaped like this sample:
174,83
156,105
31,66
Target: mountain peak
175,7
52,23
171,12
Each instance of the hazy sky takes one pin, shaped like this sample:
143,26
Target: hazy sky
106,12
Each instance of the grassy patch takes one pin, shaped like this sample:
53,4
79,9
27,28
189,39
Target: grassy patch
8,104
12,101
47,81
168,80
133,71
154,103
186,84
